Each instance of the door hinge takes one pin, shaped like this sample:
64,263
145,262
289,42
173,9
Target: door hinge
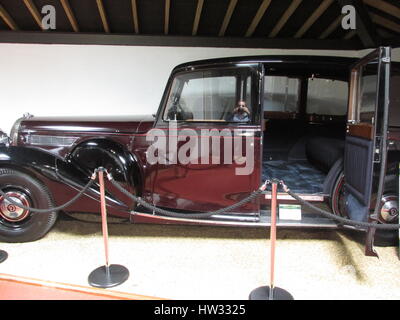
378,149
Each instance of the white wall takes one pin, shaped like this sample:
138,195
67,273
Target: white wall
97,80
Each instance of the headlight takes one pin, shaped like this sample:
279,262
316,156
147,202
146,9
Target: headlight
14,134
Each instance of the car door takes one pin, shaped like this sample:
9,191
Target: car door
366,138
196,116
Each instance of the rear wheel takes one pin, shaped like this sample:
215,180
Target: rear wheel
19,225
337,203
388,213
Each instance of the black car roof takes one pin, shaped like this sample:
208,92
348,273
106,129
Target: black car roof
328,60
330,66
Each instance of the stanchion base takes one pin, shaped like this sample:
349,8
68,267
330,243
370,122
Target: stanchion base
262,293
107,277
3,256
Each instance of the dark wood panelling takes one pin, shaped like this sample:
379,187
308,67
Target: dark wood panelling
242,16
361,130
21,15
178,41
299,17
87,15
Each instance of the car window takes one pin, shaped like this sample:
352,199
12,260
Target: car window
281,94
367,94
327,97
210,95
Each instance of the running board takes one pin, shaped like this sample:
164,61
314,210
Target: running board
308,220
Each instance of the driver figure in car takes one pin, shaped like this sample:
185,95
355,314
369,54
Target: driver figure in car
241,113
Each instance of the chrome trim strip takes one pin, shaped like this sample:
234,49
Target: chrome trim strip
54,141
307,197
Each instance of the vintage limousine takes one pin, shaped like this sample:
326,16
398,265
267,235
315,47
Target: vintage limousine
327,126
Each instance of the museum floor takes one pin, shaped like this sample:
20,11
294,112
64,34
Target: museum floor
192,262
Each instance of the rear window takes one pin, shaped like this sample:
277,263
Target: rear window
327,97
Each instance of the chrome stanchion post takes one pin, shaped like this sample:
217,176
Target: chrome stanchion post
271,292
106,276
3,256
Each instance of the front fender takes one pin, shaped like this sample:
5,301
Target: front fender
31,160
59,175
108,154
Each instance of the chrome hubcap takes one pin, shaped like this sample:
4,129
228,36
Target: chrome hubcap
11,212
389,210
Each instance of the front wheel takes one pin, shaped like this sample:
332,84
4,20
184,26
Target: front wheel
19,225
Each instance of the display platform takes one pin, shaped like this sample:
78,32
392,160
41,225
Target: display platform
21,288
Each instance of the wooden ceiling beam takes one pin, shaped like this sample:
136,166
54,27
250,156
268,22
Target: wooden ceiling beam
350,34
388,24
166,14
34,12
285,17
227,18
197,16
385,33
135,16
314,17
384,6
70,15
7,19
257,18
174,41
103,15
332,27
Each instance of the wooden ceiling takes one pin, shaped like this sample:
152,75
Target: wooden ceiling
230,23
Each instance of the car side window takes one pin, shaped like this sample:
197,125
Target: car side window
209,96
368,87
327,97
281,94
